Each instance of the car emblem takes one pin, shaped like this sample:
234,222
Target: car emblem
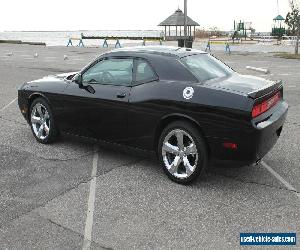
188,93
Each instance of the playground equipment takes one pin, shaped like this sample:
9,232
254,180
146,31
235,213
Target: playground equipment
241,28
278,29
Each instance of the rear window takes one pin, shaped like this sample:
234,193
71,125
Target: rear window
205,67
144,72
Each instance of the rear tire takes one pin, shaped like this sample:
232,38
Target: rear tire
41,121
182,152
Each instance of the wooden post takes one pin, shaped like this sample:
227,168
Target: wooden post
169,31
176,30
165,31
180,30
194,31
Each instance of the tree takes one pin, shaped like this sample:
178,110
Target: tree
215,31
293,22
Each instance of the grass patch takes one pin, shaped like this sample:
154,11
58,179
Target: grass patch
222,43
287,55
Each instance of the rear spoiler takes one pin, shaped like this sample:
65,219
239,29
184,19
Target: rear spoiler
266,90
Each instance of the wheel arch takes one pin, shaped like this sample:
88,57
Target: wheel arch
165,121
34,96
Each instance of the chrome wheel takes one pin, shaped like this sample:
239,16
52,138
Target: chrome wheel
179,153
40,121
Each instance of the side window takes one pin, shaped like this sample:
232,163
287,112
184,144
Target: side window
144,72
115,71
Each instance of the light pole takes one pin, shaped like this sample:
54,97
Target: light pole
185,21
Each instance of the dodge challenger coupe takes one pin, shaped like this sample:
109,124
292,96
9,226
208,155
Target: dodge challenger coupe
184,104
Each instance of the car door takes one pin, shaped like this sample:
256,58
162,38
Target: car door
144,112
99,106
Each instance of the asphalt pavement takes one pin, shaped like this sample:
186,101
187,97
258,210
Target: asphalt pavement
80,194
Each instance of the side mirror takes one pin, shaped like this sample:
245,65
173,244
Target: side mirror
78,79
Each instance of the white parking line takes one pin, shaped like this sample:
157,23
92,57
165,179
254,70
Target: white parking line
91,204
279,178
26,56
7,105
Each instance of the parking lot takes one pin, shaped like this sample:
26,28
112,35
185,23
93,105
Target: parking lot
77,192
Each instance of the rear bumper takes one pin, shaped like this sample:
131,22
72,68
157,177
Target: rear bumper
268,131
253,142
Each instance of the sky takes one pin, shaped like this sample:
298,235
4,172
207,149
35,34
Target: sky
38,15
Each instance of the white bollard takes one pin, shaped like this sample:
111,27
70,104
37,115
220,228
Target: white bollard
261,70
35,55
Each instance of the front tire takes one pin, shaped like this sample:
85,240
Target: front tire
41,121
182,152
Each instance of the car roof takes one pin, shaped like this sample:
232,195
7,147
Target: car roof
157,50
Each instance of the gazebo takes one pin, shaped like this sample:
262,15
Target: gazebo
174,27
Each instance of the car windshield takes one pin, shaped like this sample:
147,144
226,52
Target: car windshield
206,67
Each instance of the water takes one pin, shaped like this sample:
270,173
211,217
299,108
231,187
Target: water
60,38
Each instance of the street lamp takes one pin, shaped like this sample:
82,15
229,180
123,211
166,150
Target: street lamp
185,21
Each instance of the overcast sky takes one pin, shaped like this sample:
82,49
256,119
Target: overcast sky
133,14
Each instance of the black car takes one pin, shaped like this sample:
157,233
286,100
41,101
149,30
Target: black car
184,104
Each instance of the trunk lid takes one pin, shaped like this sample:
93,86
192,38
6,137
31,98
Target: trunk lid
251,86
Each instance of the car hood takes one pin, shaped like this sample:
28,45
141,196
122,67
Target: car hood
49,82
243,84
68,75
55,78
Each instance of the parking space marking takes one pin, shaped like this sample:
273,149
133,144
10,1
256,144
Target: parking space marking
7,105
91,204
279,178
50,58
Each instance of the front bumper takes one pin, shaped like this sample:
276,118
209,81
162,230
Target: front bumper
23,104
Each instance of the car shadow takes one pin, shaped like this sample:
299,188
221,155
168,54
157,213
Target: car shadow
116,155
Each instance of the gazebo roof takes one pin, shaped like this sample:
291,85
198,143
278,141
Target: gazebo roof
177,19
279,18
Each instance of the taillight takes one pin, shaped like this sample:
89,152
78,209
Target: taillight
230,145
265,105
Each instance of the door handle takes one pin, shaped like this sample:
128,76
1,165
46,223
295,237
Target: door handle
121,95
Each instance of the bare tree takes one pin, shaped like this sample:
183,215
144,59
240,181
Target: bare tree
295,6
293,22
